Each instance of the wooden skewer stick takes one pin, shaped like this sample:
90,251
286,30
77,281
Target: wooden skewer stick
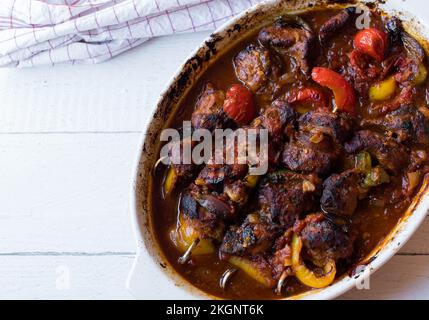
183,259
225,277
155,166
281,282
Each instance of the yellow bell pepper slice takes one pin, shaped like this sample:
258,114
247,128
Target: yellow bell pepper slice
170,180
251,181
413,180
184,236
363,161
305,275
252,270
421,75
382,90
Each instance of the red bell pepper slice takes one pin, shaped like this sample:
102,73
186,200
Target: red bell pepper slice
312,96
344,94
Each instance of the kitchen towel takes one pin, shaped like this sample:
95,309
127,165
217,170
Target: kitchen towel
38,32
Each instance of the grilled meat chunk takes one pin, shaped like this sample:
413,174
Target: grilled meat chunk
255,235
290,37
258,69
407,124
316,147
323,240
228,167
389,153
215,175
232,168
301,154
237,191
336,125
284,196
334,24
340,193
277,118
210,204
207,223
208,113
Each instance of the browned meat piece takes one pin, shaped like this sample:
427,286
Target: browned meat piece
254,236
208,113
407,124
336,125
216,174
325,241
258,69
334,24
210,204
226,168
291,36
390,154
189,206
206,223
284,195
341,193
185,172
301,154
237,191
277,118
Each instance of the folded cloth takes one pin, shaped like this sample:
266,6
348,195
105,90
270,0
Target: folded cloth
37,32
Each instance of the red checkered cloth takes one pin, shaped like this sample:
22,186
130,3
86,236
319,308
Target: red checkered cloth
37,32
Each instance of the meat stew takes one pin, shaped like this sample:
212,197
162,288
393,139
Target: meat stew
348,123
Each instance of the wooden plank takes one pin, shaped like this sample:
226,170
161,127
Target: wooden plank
118,95
66,192
64,277
418,244
403,277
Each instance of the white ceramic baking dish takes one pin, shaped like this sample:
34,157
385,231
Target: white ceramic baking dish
151,276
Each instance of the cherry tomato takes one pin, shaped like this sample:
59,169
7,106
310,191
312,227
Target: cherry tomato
344,94
372,42
311,96
239,105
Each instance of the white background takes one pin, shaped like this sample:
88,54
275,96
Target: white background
68,138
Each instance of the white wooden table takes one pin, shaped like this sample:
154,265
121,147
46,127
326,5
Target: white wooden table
68,138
